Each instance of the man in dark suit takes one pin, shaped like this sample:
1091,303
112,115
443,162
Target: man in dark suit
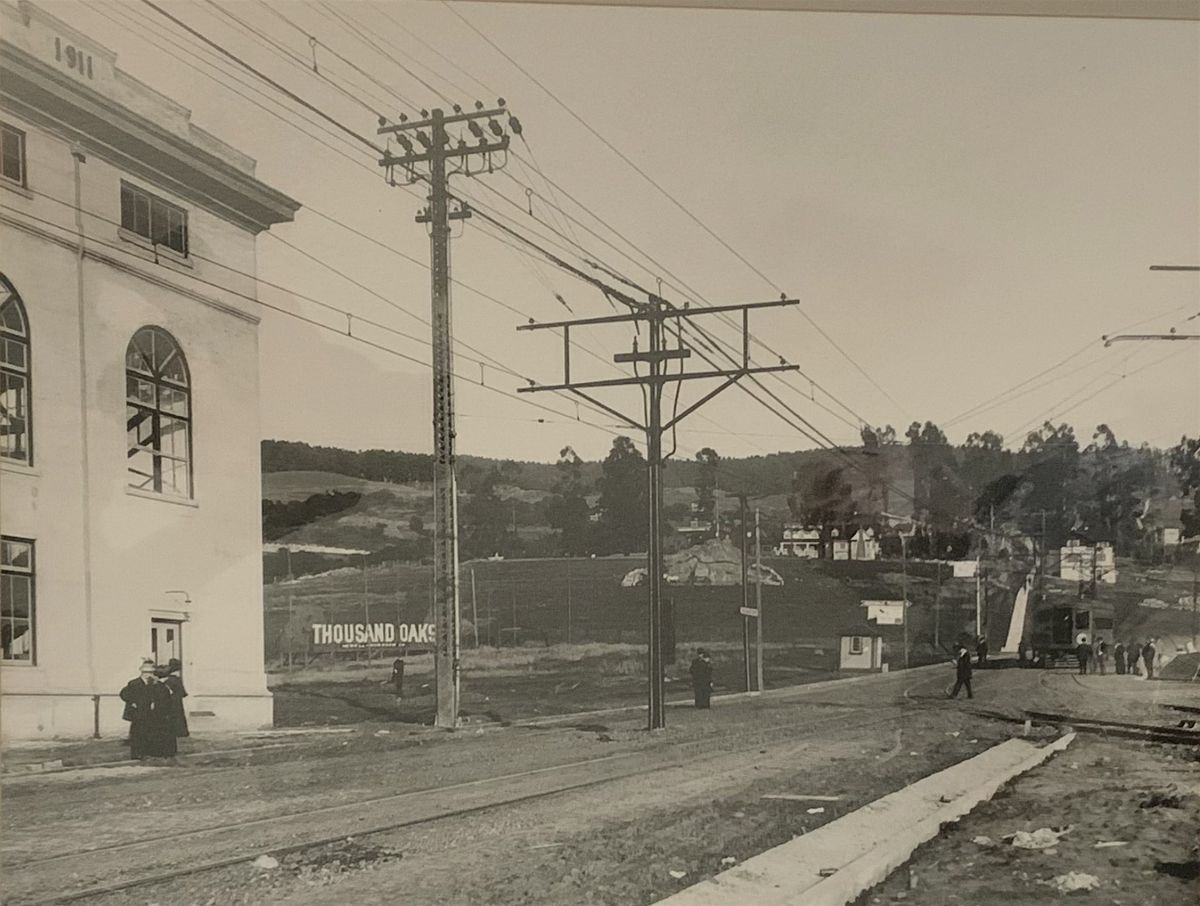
962,671
702,675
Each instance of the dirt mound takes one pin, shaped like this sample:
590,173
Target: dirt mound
711,563
1182,667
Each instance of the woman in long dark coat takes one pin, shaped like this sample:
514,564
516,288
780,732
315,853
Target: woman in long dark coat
174,681
148,710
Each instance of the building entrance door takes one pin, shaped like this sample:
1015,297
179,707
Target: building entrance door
166,640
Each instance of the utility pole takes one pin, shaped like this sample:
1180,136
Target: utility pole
474,609
904,591
758,605
745,593
659,317
435,151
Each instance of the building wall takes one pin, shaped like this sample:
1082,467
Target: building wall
871,657
135,548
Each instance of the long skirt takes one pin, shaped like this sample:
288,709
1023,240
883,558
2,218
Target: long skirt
152,737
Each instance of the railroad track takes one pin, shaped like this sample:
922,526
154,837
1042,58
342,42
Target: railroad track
281,835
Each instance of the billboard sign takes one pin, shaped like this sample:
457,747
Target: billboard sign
351,636
885,613
965,569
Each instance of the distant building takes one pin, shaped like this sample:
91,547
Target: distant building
128,529
863,545
801,541
860,649
1081,561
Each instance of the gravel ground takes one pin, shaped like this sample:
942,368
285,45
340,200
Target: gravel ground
681,800
1144,796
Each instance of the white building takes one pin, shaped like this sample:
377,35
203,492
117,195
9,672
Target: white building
1081,562
864,545
129,425
799,541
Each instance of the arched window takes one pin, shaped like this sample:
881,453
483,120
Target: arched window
14,377
158,414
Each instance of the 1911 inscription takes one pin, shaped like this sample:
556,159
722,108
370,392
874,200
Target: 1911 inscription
76,59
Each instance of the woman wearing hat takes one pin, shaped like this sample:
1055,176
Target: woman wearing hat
174,681
148,710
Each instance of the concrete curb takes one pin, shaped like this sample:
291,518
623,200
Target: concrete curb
835,863
874,867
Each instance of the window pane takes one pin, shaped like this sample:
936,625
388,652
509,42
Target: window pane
141,469
174,437
14,424
173,401
17,596
139,427
171,367
11,320
128,220
177,238
138,390
12,155
16,554
12,354
16,600
159,227
175,477
141,215
137,356
17,640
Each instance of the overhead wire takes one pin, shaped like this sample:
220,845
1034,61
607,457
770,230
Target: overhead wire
666,194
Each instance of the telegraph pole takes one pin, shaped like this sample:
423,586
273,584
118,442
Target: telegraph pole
758,605
436,150
745,593
658,316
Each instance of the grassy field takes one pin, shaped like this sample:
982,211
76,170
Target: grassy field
501,685
552,602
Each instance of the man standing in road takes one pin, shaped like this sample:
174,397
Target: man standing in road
981,652
1148,653
702,675
962,671
1083,651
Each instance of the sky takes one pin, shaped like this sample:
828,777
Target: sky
959,203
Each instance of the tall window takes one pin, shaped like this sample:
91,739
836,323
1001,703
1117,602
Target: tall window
12,154
16,600
14,377
158,414
153,218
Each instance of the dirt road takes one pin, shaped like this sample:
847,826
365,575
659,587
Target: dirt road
592,810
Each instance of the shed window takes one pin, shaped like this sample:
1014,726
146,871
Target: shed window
856,644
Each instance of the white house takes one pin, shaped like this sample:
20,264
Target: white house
129,424
800,541
1080,561
863,545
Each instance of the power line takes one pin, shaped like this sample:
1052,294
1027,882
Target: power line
264,77
132,253
663,191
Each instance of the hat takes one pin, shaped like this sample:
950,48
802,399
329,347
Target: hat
174,664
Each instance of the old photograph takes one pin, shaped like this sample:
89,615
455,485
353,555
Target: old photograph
600,452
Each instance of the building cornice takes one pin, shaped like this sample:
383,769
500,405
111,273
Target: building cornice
52,100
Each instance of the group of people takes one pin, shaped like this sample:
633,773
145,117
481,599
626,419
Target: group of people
154,709
1127,659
